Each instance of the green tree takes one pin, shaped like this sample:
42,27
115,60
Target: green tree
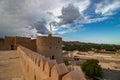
92,69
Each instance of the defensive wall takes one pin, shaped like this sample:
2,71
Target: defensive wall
1,45
11,43
37,67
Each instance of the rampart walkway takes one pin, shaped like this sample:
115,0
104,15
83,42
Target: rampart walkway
10,67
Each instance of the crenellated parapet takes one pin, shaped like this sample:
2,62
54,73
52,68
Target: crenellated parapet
38,67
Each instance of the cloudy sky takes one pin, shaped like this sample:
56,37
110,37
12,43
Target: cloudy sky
95,21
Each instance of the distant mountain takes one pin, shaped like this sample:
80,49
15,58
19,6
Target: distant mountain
82,46
76,43
83,43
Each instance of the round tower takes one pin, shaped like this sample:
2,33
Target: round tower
50,47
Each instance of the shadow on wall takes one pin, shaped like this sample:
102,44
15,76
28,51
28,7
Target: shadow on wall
38,67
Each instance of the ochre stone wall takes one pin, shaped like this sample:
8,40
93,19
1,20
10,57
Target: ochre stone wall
38,67
11,43
50,47
2,45
26,42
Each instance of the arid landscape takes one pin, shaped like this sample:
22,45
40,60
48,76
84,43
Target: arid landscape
110,63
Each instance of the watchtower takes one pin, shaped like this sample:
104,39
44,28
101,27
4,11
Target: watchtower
50,46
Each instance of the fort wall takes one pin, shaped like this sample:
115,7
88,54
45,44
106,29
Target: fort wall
26,42
11,43
38,67
2,45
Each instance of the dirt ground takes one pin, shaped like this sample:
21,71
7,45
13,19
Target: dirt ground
10,67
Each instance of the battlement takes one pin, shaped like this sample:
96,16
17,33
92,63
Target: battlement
38,67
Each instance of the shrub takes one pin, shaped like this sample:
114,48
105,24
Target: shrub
92,69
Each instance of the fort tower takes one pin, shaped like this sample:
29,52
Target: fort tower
50,46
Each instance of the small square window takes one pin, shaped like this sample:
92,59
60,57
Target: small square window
53,57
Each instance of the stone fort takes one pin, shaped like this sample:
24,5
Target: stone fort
41,59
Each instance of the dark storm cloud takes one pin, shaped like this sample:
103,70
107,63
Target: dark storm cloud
40,26
69,14
16,15
69,19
